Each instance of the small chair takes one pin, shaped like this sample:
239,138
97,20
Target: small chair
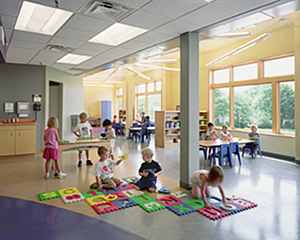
204,152
225,150
135,125
250,149
143,133
235,150
118,129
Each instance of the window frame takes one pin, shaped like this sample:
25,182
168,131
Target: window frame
274,81
146,94
119,96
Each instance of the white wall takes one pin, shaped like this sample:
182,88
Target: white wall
72,97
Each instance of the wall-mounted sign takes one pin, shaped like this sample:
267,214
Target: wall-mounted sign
22,107
9,107
36,97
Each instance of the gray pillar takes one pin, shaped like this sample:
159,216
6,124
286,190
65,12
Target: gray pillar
189,106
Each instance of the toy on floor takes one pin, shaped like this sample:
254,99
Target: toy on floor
163,190
123,157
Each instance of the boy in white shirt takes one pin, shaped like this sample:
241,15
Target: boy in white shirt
224,133
83,130
104,171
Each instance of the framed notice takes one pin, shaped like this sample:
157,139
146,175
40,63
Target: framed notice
9,107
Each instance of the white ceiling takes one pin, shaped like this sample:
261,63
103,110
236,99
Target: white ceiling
165,20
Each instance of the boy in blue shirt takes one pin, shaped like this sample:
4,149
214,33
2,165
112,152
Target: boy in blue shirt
148,171
147,122
253,135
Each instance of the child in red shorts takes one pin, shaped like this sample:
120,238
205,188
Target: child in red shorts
51,147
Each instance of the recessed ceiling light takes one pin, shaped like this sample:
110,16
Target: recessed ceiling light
75,59
41,19
117,33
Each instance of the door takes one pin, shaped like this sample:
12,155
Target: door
55,103
105,110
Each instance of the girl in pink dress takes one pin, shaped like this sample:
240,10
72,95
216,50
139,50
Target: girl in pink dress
51,147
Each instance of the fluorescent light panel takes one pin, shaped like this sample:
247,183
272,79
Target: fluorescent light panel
74,59
157,67
173,50
41,19
231,35
240,49
94,81
159,61
117,33
138,73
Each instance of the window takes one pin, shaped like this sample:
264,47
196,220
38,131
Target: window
245,72
221,76
279,67
119,94
253,105
221,109
148,98
287,107
240,104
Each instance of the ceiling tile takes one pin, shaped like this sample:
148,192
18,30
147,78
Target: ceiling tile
31,37
173,8
41,59
62,66
119,52
99,48
75,34
26,44
132,3
144,19
56,55
13,53
8,33
87,24
70,5
8,21
135,45
176,28
154,37
74,72
85,52
92,63
207,15
10,7
242,5
66,42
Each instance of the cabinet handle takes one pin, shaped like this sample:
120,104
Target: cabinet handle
11,134
19,134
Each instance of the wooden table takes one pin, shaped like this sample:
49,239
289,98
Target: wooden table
77,144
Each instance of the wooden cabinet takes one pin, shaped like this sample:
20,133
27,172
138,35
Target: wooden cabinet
7,140
167,127
17,140
25,139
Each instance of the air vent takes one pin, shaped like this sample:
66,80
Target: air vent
58,48
105,9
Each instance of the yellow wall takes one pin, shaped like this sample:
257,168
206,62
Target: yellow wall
93,97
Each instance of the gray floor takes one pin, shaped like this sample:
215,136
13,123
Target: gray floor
273,184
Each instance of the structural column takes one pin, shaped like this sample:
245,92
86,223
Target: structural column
297,93
189,106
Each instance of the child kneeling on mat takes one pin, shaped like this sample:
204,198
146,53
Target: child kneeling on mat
202,178
104,171
148,171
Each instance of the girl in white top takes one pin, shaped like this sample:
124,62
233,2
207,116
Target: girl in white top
202,178
224,133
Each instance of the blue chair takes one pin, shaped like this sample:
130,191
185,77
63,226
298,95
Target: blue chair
225,151
250,149
135,125
143,133
235,150
118,129
204,152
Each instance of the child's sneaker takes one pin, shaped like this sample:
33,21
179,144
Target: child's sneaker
79,163
89,162
46,175
61,175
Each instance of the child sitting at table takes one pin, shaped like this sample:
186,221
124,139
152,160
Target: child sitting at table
202,178
253,135
83,130
110,134
104,171
147,122
210,135
148,171
224,134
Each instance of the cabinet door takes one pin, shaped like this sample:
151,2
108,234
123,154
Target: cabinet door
7,143
25,141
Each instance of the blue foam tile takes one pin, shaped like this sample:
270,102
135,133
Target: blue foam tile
181,209
217,205
130,179
109,190
125,203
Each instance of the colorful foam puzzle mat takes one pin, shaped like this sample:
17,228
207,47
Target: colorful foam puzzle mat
130,179
125,196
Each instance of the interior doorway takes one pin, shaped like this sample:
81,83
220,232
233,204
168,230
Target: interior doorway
55,103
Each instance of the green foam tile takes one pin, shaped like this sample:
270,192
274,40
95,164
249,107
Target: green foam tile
195,203
148,203
91,193
48,195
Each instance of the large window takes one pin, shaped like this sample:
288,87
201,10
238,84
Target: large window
119,94
148,98
260,93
